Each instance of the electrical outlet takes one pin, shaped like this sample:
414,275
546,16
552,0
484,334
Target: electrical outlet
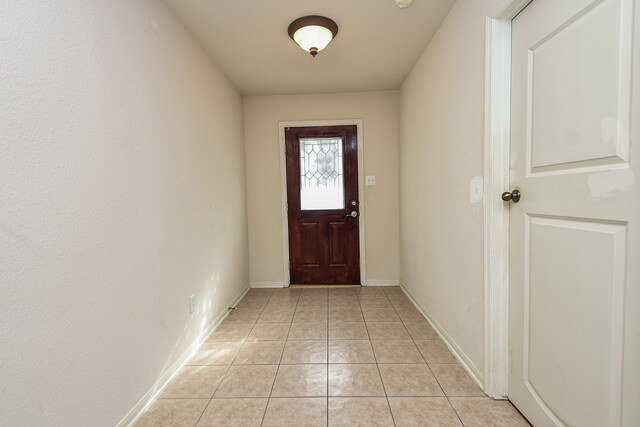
193,303
370,180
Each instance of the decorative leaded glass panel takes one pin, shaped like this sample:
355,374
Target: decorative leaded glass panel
321,173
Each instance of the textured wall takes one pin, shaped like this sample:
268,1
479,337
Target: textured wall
122,192
379,112
441,151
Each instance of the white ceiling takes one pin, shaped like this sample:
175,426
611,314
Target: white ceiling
376,46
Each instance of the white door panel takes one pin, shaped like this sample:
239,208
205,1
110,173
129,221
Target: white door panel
575,234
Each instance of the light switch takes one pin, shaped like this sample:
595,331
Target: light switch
370,180
476,190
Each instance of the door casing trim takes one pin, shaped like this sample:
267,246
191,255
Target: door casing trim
283,189
497,141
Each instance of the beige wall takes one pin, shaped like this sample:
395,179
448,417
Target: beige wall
441,150
122,185
379,112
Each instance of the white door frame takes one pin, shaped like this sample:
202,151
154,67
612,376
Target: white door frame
497,141
283,189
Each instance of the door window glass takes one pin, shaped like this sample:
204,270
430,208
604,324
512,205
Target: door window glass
321,173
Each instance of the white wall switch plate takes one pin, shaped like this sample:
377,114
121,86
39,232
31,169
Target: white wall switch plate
476,192
193,303
370,180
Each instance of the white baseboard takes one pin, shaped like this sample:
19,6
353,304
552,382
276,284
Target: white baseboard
267,284
475,373
136,412
371,282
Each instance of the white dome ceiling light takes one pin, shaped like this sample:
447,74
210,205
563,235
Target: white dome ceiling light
313,33
403,3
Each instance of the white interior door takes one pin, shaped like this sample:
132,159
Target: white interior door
575,234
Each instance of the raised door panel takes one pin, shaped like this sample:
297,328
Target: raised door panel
309,243
573,316
338,243
579,91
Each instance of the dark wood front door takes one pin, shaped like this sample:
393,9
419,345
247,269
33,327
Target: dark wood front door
323,205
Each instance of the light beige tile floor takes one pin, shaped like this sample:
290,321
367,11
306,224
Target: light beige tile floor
326,357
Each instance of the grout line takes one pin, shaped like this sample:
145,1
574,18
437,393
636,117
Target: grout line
234,359
377,365
230,364
264,414
327,359
430,370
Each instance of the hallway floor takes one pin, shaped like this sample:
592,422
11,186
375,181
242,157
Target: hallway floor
318,357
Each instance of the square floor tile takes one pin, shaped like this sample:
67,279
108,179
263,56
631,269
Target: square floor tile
387,331
396,351
242,316
233,413
298,412
256,292
282,303
423,411
435,351
380,315
351,351
276,315
312,303
347,331
313,292
345,315
300,381
393,291
280,292
344,303
354,380
421,331
302,352
409,380
410,314
374,302
247,381
173,412
455,380
230,332
252,297
260,353
342,292
310,315
313,295
308,331
269,332
359,412
400,302
368,291
484,411
194,382
251,304
216,353
284,297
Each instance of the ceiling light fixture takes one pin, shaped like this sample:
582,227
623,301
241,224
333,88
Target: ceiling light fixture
403,3
313,33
